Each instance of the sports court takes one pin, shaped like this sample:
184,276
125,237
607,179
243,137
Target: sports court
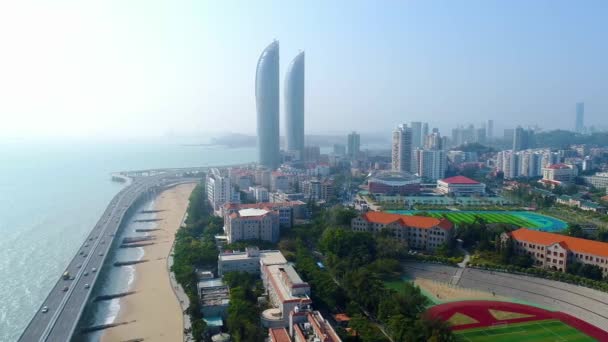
496,321
547,330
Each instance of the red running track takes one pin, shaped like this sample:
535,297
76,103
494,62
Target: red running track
479,310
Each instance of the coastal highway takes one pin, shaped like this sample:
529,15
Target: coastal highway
66,301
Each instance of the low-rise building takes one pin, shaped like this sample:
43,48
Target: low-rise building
578,202
460,186
556,251
280,197
285,290
252,224
287,211
250,261
214,297
599,180
394,183
559,173
419,232
305,325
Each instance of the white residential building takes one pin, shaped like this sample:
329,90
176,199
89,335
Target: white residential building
252,224
249,261
402,149
431,164
219,189
559,173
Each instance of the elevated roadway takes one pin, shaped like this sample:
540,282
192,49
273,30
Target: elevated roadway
58,316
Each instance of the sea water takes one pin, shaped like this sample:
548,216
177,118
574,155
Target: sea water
51,196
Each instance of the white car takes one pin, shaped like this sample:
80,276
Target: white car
94,269
45,309
86,286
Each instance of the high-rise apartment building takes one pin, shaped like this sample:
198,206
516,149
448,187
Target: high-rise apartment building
416,128
219,189
523,139
354,145
267,106
425,132
402,149
580,117
431,164
433,141
490,130
294,105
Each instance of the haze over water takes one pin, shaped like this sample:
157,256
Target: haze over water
51,196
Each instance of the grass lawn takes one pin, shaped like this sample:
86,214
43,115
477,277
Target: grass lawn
535,331
526,219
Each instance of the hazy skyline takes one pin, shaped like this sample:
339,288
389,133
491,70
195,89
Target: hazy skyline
141,68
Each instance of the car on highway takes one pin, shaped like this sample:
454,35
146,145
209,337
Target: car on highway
93,270
86,274
45,309
101,254
65,289
79,266
86,286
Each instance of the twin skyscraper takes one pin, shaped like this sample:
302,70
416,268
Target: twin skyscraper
268,109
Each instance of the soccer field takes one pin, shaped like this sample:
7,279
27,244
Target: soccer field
517,218
534,331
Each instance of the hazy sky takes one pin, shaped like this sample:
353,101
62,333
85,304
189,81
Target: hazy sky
123,68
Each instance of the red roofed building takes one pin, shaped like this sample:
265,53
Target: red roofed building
460,186
556,251
559,173
279,335
419,232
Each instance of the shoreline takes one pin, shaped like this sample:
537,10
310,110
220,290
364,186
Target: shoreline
154,310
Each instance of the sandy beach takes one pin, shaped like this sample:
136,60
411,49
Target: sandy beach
154,311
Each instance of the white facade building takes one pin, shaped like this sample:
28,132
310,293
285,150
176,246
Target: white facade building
249,261
431,164
402,150
252,224
219,189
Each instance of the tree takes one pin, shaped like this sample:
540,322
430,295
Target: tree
506,250
575,230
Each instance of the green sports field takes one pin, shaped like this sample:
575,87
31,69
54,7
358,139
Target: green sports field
534,331
517,218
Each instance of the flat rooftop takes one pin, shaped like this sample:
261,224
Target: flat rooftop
252,212
268,257
279,272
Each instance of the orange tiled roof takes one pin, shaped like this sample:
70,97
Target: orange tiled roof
576,245
406,220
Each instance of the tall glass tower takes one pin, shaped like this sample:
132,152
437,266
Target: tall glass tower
267,106
294,104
